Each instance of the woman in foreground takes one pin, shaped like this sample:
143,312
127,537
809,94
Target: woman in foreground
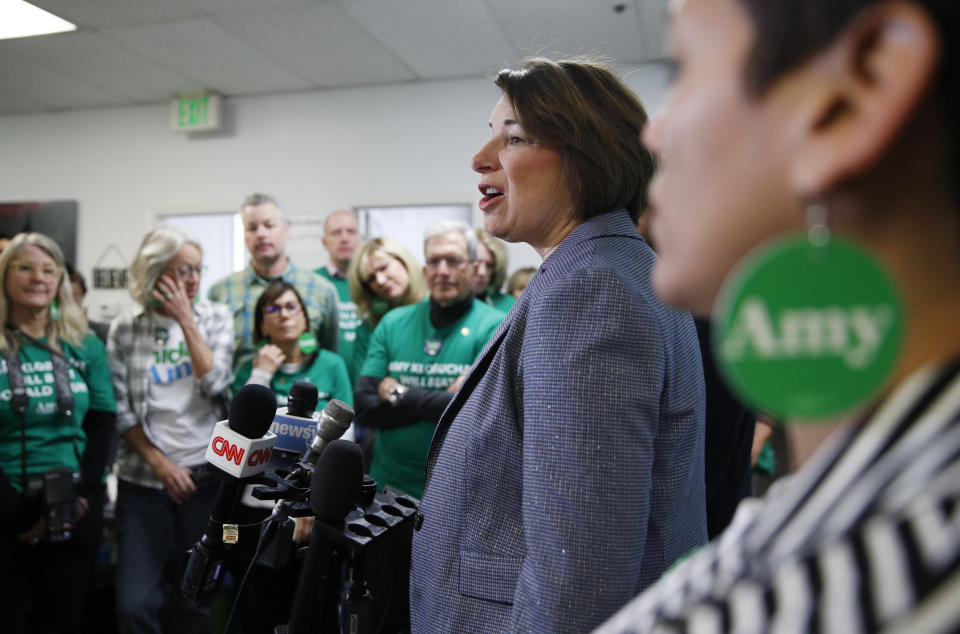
780,110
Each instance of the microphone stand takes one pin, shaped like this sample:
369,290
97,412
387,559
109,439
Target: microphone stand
316,605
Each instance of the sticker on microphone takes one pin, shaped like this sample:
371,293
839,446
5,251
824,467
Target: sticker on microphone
231,533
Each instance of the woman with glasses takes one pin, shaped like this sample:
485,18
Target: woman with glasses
61,425
287,352
170,357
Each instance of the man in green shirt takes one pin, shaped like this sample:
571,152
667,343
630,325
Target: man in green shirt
418,356
341,237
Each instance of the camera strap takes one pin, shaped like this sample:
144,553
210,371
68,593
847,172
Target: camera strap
20,400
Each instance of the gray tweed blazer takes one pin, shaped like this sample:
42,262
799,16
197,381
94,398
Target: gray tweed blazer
567,473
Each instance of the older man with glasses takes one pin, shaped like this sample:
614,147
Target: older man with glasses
418,355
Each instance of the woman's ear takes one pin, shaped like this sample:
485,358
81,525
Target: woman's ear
865,88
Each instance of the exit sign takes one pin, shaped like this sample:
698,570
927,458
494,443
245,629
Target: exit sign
195,113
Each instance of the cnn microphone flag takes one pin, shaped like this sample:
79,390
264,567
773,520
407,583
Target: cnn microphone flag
237,455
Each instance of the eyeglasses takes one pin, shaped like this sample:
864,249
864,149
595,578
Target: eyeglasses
27,270
184,272
453,262
292,308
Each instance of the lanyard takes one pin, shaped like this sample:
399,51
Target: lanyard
20,400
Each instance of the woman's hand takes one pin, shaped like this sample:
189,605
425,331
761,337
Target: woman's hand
171,294
268,358
302,532
176,479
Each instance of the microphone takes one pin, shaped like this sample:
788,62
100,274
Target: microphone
294,424
335,419
336,485
331,423
241,447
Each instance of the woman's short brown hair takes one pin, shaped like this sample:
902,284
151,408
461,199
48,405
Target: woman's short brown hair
581,109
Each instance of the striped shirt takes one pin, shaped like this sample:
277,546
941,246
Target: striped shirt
130,347
241,291
864,538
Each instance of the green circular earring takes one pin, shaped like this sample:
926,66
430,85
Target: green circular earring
808,327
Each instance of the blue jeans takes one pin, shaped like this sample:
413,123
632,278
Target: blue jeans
153,533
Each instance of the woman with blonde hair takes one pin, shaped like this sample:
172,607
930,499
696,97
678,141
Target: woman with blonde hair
170,357
56,420
382,276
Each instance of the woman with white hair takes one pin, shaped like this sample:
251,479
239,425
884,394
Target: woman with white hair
170,357
56,419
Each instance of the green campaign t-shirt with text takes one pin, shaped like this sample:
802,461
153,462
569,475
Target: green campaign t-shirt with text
407,347
51,439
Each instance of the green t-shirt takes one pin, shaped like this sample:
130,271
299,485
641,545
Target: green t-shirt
328,372
407,347
502,301
361,344
51,439
349,322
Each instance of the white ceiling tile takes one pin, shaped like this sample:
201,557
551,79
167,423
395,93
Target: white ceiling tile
13,105
106,13
49,89
134,51
144,85
219,5
321,43
436,39
201,50
75,53
558,28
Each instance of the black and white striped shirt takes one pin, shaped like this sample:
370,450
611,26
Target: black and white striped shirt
864,538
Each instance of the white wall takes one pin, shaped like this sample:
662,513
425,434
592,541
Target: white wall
396,144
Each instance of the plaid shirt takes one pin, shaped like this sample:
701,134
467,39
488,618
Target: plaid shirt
241,291
130,350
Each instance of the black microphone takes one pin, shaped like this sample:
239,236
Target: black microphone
335,490
295,425
302,400
251,413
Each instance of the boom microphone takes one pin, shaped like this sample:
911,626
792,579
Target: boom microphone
241,447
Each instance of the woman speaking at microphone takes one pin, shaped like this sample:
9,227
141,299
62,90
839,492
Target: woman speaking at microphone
567,473
62,427
170,358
